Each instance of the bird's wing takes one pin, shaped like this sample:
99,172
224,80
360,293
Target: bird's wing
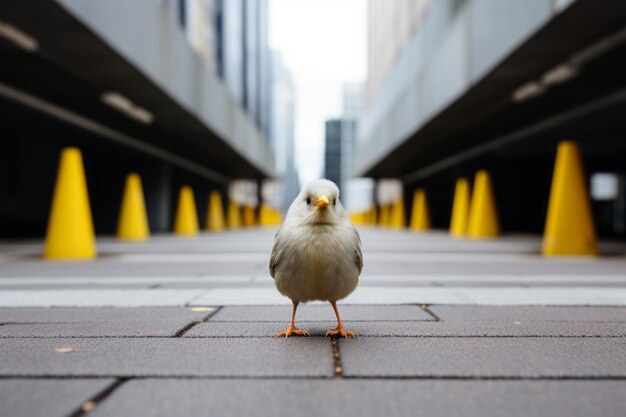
358,258
276,249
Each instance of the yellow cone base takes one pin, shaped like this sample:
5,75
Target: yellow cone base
70,234
372,216
460,208
483,217
569,225
234,216
269,216
249,216
133,220
215,220
397,220
383,218
186,221
359,218
420,217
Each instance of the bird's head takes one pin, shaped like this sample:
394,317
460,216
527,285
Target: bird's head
317,204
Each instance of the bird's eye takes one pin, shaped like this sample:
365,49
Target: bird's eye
308,200
334,201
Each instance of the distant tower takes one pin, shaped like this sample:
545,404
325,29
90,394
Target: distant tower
341,135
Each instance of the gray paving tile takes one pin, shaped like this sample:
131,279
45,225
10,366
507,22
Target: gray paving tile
224,284
264,328
529,313
484,357
102,315
561,284
276,398
167,357
126,328
323,312
147,280
78,286
47,397
415,329
527,267
115,268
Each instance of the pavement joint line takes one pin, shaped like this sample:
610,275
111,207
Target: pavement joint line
194,323
271,336
427,310
94,401
338,368
27,323
323,378
323,321
189,302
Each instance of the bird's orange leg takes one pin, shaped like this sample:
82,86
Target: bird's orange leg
339,330
293,330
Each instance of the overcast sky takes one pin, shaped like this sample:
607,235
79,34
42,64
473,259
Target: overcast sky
323,43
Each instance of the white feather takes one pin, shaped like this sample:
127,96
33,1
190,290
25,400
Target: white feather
317,251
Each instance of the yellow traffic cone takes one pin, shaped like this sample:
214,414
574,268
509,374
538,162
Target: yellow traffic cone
234,216
70,234
397,219
269,216
266,215
372,215
460,208
277,217
186,222
483,217
383,218
420,218
569,224
359,218
249,216
133,220
215,213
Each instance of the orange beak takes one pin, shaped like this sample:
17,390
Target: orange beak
322,201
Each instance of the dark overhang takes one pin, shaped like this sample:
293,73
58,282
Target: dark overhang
70,68
486,118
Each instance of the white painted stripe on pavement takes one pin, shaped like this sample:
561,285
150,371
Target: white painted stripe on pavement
148,280
588,296
591,296
393,257
193,257
529,278
99,298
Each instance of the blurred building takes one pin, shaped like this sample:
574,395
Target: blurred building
352,100
282,130
458,85
390,25
198,18
243,58
176,90
332,151
340,138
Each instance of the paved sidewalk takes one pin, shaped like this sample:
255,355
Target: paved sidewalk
185,327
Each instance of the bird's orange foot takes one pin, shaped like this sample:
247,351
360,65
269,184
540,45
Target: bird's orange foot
339,330
292,330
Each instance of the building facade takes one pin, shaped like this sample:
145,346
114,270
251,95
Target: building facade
455,86
282,130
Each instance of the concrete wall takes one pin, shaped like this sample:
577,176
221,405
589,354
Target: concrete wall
453,48
147,34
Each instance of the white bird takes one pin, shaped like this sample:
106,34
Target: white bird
317,253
